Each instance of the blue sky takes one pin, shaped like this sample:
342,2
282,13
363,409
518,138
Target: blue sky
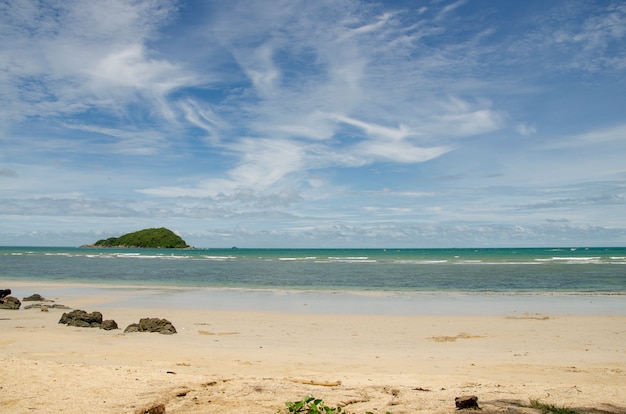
314,124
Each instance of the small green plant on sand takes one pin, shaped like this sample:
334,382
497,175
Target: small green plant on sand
312,405
550,409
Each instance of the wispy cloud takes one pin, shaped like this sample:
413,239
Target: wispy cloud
525,129
72,55
451,7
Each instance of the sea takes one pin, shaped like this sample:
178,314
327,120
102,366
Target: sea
400,280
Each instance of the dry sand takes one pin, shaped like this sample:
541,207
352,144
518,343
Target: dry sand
254,362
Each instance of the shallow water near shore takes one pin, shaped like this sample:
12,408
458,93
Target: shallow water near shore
522,305
430,270
371,281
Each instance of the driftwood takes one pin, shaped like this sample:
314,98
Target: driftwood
316,382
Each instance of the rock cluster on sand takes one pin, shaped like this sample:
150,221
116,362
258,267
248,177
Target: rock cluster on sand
83,319
44,304
162,326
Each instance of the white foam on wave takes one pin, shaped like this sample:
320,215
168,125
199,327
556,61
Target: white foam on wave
420,261
293,259
576,259
356,259
218,258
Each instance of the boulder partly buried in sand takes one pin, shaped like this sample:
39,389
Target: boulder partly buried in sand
82,319
108,325
162,326
466,401
155,409
10,302
35,297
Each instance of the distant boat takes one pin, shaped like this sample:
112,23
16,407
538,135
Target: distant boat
234,247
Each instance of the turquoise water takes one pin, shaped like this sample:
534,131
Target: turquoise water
538,270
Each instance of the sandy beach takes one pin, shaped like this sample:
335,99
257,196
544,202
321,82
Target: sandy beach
253,361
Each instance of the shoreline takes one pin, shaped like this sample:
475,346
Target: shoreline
325,301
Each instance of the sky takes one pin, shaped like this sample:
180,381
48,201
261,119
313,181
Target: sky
327,123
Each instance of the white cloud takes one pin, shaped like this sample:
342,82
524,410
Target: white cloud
611,139
451,7
616,134
204,117
569,38
261,70
525,129
130,67
76,55
368,28
377,131
471,123
400,152
265,164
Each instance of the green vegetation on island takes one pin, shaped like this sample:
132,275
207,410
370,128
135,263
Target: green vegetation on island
160,238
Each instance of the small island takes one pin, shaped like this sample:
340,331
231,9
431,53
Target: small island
160,238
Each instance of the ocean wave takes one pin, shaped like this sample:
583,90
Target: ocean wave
572,260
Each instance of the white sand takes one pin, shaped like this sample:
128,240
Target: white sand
228,361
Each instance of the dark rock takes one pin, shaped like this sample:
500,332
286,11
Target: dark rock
40,305
466,401
82,319
34,298
155,409
108,325
10,302
133,327
162,326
